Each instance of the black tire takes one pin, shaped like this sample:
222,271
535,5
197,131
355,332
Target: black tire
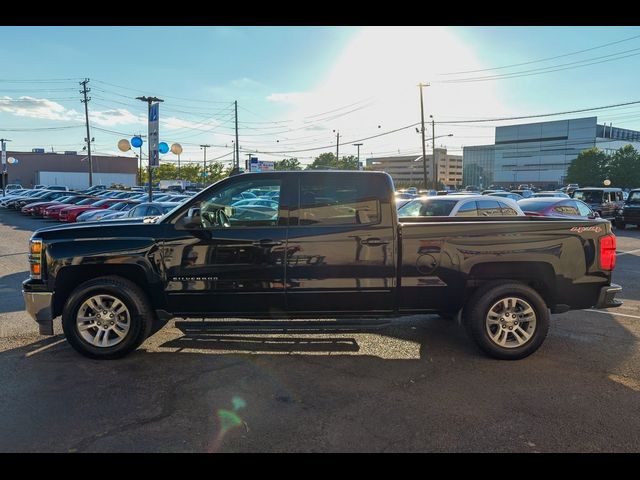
141,316
477,310
621,225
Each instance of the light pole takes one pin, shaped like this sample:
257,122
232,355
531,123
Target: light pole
433,153
204,147
358,145
424,153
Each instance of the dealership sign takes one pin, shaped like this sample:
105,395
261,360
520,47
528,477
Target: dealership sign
256,165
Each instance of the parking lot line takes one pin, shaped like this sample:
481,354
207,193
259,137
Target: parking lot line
612,313
628,253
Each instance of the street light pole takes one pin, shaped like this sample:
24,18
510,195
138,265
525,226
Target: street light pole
424,152
436,166
358,145
204,147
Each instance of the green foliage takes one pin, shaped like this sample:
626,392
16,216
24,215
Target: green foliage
288,164
191,172
589,169
328,161
624,168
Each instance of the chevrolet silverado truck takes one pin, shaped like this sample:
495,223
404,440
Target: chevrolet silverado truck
315,244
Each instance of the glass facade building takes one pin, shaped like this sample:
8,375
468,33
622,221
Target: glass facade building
539,153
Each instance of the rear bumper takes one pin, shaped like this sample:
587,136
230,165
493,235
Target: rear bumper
606,298
40,306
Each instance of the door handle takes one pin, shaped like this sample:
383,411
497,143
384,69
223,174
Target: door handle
373,242
266,242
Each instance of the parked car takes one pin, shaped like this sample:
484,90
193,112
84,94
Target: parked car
605,201
13,186
338,250
96,215
70,214
557,207
525,193
513,196
48,195
487,192
460,206
62,188
630,211
550,194
37,209
53,212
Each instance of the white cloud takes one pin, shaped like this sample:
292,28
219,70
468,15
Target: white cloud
36,108
245,82
116,116
291,97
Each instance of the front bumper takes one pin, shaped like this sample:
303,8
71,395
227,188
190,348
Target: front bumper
40,306
606,298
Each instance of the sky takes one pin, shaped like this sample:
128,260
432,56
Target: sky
298,87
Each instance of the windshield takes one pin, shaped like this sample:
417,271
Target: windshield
588,196
428,207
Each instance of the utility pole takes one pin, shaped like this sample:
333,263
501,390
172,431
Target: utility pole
237,150
424,152
153,138
433,153
84,91
337,144
204,147
3,172
358,145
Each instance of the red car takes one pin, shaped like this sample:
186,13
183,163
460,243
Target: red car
53,212
37,209
556,207
70,214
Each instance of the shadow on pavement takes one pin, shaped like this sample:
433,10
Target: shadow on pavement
11,299
435,392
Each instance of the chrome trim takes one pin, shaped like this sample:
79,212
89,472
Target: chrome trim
39,305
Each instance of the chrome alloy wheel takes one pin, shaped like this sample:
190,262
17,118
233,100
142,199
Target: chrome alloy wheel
511,322
103,321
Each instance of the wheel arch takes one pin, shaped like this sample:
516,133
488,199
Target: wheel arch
68,278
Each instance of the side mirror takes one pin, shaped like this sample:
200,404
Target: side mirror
191,221
594,215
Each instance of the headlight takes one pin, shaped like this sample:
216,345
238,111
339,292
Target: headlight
35,258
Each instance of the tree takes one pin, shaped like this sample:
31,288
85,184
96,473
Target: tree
589,169
624,168
288,164
324,161
349,162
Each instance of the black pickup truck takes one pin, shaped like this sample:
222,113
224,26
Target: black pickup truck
315,244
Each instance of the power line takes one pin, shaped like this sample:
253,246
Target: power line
540,71
542,59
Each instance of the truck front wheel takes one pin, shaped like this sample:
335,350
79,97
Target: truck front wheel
107,318
507,320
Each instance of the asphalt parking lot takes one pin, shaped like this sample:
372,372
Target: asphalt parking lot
417,384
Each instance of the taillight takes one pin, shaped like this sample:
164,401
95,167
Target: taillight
608,252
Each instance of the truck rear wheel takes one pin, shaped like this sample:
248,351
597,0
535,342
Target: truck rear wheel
107,318
507,320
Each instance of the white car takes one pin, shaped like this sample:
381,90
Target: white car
461,206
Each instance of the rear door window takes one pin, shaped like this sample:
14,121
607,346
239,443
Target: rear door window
488,208
507,210
339,200
468,209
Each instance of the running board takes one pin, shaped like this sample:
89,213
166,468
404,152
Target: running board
265,326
